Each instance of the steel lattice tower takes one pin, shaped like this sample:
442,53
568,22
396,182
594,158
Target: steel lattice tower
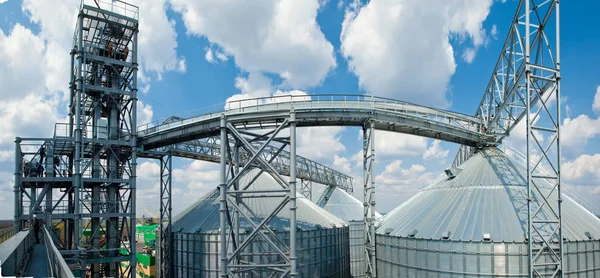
85,175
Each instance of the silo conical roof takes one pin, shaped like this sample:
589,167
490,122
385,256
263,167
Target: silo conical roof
345,206
203,216
487,195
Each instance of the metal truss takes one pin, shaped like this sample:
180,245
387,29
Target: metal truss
369,197
324,198
306,188
526,84
319,110
235,259
307,170
165,253
83,180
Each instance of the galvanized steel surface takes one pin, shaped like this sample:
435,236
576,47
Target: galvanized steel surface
487,196
345,206
319,110
203,216
411,257
321,253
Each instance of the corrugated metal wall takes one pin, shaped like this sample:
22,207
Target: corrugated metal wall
406,257
357,248
321,253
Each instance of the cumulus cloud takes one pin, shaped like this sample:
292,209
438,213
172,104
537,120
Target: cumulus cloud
575,133
402,49
397,183
157,39
436,151
391,145
275,36
584,166
320,143
20,55
596,104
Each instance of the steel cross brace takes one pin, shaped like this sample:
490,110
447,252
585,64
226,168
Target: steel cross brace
369,197
525,84
260,155
165,243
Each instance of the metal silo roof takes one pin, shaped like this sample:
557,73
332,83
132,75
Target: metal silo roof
487,195
203,216
345,206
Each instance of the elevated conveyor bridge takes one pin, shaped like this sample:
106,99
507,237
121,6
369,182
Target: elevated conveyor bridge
97,155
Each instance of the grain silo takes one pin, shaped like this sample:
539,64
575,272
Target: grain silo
475,223
351,210
322,238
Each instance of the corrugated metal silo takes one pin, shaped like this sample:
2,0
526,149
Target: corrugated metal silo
351,210
475,225
322,238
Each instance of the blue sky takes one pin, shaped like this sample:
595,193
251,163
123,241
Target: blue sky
200,53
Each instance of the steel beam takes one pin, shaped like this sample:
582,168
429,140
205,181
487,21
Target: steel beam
165,242
232,196
525,84
307,170
369,197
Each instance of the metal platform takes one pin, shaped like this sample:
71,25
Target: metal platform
320,110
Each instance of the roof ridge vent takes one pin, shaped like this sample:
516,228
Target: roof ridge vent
452,172
413,233
446,235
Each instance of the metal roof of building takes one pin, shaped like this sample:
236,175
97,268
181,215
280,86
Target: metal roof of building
487,195
203,216
346,206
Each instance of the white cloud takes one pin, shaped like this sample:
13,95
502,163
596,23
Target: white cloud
342,164
575,133
585,167
275,36
436,151
391,145
596,105
494,31
31,116
469,54
255,85
6,156
157,44
214,56
144,113
320,143
21,62
401,49
396,183
198,177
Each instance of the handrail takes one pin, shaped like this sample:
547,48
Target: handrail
324,98
315,110
13,253
57,267
6,233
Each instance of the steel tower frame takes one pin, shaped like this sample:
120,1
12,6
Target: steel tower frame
104,118
369,197
85,176
525,84
233,206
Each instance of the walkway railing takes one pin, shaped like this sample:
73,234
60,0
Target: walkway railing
13,251
319,101
57,267
6,233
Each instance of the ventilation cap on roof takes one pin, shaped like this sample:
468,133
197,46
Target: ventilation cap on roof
413,233
446,235
487,237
